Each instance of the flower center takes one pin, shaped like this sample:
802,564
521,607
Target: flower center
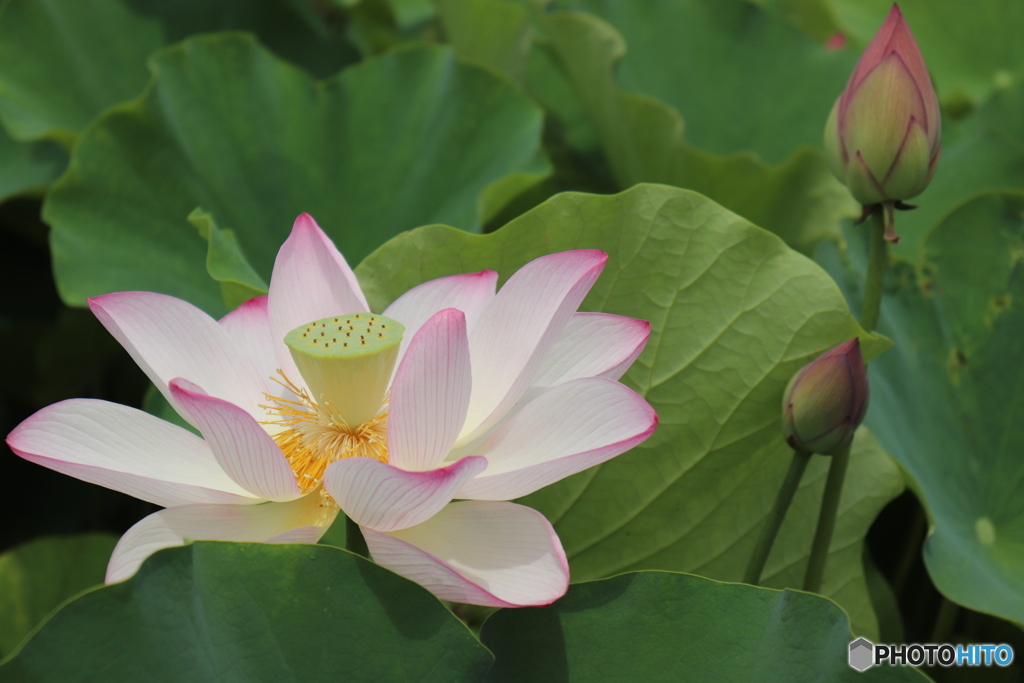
346,361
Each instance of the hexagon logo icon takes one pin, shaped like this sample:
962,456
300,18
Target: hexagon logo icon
862,654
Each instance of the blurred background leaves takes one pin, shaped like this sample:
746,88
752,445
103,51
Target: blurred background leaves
400,140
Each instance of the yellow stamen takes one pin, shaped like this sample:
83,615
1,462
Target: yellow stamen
314,435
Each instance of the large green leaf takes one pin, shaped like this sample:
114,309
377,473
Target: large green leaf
642,137
734,314
226,263
492,32
969,46
741,78
38,576
984,152
410,138
655,626
252,612
62,63
27,166
947,400
547,82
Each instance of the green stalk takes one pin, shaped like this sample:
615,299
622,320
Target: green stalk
881,232
878,260
945,621
774,522
911,551
826,521
354,541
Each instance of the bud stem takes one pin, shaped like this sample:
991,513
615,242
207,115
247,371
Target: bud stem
882,229
878,260
882,220
771,527
945,620
826,521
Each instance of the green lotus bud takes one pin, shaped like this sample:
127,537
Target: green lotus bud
882,137
826,401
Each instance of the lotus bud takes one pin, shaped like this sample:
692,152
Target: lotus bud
882,137
826,401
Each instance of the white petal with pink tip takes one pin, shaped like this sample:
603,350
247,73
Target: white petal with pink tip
311,280
593,345
171,338
126,450
471,293
430,393
520,327
242,447
478,552
249,327
302,520
565,430
382,497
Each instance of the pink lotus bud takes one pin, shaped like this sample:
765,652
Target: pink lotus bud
882,137
826,401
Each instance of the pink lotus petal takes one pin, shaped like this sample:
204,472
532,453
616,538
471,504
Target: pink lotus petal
879,47
471,293
563,431
519,329
481,553
242,447
248,326
594,345
127,450
301,520
311,280
901,41
430,393
170,338
382,497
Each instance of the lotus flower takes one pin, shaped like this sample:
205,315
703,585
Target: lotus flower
882,137
826,401
453,392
